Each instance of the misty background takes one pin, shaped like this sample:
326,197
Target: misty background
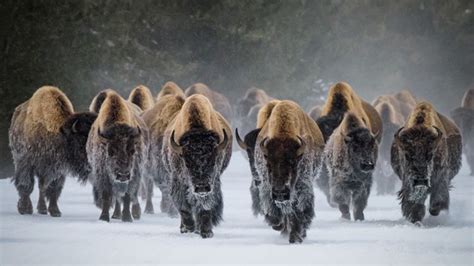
292,49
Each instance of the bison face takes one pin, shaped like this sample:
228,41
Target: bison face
122,143
282,157
75,132
248,144
327,125
201,151
418,146
362,149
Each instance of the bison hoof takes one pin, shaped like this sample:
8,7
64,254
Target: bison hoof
207,234
149,208
359,216
104,217
346,216
25,206
42,209
279,227
54,212
418,224
117,215
136,212
127,218
435,212
295,239
185,229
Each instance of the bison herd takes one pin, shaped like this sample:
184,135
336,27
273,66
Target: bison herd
182,142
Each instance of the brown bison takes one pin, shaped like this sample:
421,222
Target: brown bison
392,120
248,145
350,156
252,97
219,101
141,96
288,154
48,140
170,88
464,118
197,149
116,150
426,155
99,100
157,119
342,99
402,102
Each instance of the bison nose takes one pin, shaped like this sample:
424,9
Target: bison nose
281,193
202,188
123,176
367,166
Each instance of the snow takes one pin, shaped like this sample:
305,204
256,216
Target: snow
78,237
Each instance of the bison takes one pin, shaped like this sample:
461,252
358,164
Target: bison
464,117
248,145
141,96
426,155
170,88
342,99
315,112
288,154
157,119
351,155
48,140
252,97
219,101
116,150
197,149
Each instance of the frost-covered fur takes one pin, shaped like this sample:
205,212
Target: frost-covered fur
350,155
426,155
47,140
288,155
464,118
116,149
205,142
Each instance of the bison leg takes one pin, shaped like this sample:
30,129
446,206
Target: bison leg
166,204
117,211
439,199
136,210
41,207
296,230
53,191
323,183
187,222
412,211
204,220
106,201
255,194
342,198
24,182
126,215
149,196
359,201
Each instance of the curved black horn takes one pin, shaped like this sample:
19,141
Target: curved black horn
175,146
74,126
224,141
440,133
301,149
397,134
239,140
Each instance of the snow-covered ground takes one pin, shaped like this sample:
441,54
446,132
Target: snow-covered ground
78,237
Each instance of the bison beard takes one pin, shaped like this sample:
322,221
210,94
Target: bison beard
200,157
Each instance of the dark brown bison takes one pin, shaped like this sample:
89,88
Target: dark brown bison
350,156
157,119
116,150
142,97
464,117
385,178
170,88
426,155
252,97
248,145
342,99
48,140
197,149
219,101
99,100
288,154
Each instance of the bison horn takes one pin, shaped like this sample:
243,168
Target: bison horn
175,146
397,134
74,127
377,135
440,133
240,141
263,144
301,149
224,142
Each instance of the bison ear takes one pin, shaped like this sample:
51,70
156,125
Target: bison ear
241,143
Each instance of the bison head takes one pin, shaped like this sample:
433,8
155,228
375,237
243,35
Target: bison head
122,142
361,149
75,132
201,151
417,146
248,144
282,157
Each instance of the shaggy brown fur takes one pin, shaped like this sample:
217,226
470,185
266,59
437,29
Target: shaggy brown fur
99,100
170,88
403,102
219,101
47,140
142,97
157,119
288,154
426,155
468,99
